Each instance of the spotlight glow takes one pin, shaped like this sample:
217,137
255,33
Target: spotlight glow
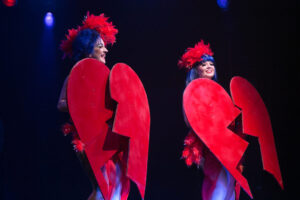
223,4
49,19
9,3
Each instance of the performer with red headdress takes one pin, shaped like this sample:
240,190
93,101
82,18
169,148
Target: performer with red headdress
218,124
107,131
218,183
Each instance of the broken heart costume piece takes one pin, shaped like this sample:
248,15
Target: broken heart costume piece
215,141
217,183
107,130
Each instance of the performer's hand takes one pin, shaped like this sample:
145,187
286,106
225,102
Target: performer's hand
62,105
62,102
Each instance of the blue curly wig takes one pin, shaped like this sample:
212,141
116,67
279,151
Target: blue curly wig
84,43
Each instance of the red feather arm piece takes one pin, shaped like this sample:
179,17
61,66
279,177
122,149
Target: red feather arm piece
132,120
256,122
194,150
209,110
86,94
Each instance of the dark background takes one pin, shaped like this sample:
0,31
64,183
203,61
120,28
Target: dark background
253,39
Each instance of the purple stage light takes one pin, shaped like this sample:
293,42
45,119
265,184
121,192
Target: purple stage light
49,19
223,4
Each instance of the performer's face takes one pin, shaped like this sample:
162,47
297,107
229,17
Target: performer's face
206,70
100,51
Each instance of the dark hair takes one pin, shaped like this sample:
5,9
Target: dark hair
193,74
84,43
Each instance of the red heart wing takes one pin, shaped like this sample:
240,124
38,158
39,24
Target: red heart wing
256,122
132,119
209,110
86,101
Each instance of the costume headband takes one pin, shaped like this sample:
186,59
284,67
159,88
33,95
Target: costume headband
194,55
106,30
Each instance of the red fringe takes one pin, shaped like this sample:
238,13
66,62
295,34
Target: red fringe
78,145
68,128
193,151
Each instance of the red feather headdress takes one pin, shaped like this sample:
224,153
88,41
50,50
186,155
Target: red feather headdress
194,55
100,23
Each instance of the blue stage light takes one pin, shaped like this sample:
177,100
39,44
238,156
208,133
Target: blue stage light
49,19
223,4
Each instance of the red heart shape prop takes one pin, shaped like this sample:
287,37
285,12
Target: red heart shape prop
132,119
209,110
86,101
256,122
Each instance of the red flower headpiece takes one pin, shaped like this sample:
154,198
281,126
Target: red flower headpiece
194,55
106,30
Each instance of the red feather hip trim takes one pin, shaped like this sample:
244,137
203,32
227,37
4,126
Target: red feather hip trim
69,128
194,150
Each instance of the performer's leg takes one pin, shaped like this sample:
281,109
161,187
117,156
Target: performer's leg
112,172
96,193
116,195
113,175
231,186
224,187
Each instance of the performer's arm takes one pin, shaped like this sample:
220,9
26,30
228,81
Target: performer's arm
185,119
62,102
